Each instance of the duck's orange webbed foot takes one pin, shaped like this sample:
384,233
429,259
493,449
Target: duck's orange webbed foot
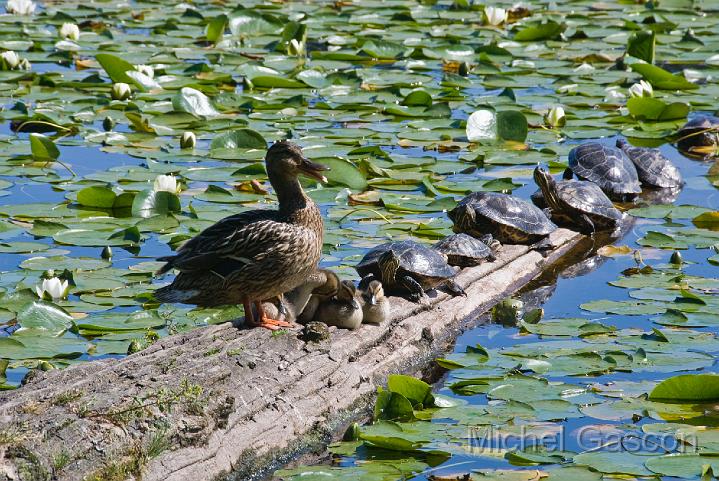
273,324
262,320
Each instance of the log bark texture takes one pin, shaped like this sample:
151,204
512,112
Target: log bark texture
226,403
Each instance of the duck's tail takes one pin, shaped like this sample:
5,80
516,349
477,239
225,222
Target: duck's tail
171,294
168,264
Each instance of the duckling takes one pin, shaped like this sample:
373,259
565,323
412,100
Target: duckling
375,309
291,305
343,310
256,254
321,293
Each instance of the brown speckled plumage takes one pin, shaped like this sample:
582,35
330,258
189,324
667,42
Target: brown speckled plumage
256,254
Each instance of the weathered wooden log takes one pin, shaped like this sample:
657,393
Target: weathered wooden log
223,402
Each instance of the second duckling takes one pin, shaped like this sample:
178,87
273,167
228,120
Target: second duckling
375,309
320,293
344,310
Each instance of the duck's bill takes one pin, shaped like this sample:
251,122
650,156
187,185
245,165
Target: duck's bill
314,170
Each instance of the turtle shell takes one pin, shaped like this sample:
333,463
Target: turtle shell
464,250
652,167
701,131
426,265
588,198
507,218
608,167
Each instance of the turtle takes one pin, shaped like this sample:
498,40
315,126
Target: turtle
508,219
701,131
465,251
578,204
608,167
408,268
653,168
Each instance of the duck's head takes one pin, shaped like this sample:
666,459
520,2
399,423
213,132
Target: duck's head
285,160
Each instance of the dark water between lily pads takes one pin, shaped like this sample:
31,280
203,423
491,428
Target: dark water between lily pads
521,402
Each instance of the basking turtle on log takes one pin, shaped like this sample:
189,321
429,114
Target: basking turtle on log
700,135
255,255
580,205
408,268
653,168
466,251
606,166
508,219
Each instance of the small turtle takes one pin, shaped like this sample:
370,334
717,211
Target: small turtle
608,167
653,168
315,332
410,268
508,219
465,251
579,204
701,131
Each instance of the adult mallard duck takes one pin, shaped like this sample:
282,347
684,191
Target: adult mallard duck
257,254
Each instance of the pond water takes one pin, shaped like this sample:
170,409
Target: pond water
380,91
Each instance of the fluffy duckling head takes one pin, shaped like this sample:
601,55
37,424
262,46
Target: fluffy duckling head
285,161
373,293
348,293
330,286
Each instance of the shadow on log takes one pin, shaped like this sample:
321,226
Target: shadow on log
219,402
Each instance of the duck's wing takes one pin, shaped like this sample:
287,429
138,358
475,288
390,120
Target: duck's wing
245,234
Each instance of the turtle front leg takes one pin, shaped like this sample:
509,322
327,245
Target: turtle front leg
585,224
454,288
544,246
416,293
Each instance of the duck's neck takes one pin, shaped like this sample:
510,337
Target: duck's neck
292,199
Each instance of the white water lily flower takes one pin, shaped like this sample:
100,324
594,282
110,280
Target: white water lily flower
495,15
146,69
188,140
556,116
165,183
10,59
53,288
69,30
584,69
20,7
295,47
614,94
641,89
481,125
121,91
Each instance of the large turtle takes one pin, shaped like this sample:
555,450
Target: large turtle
606,166
577,204
701,131
508,219
465,251
652,167
408,268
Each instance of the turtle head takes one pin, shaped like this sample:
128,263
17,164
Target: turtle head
373,292
547,184
388,264
463,217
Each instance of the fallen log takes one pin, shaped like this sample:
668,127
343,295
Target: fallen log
223,402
